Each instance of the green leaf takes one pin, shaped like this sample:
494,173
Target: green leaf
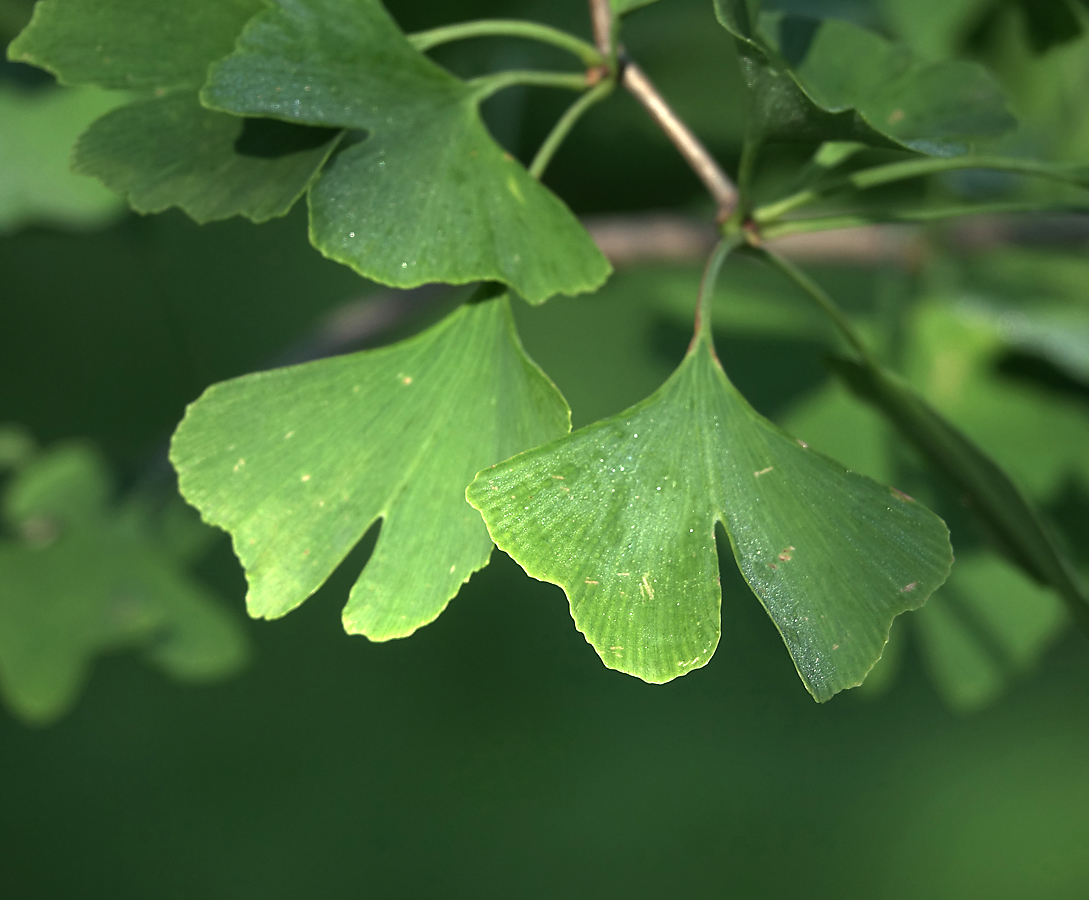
621,515
986,625
1011,519
952,359
813,80
428,195
172,151
17,446
84,582
36,185
621,7
112,43
70,485
298,463
167,150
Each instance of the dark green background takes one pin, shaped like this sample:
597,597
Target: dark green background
491,755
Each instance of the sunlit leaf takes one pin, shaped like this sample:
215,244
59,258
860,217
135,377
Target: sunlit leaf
298,463
427,195
621,515
166,150
826,80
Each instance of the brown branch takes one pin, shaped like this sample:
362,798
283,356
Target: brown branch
601,15
629,240
716,181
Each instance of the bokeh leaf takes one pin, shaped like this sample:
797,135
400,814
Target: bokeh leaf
166,150
1012,521
298,463
427,195
36,185
621,515
987,624
826,80
81,581
620,7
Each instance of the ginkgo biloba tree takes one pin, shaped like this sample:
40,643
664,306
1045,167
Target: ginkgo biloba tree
454,438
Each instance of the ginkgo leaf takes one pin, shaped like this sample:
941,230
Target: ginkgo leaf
621,515
1011,520
167,150
110,43
298,463
826,80
427,195
82,581
171,151
989,622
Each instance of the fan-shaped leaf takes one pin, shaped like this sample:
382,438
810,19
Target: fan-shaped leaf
814,80
83,581
167,150
621,515
298,463
428,195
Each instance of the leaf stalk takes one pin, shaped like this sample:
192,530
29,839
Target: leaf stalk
563,127
487,85
702,329
827,305
916,168
937,214
536,31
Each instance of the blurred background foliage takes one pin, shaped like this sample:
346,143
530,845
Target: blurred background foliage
492,755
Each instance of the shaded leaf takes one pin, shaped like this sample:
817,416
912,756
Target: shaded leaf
1012,521
83,582
173,152
36,185
298,463
814,80
427,195
621,515
166,150
988,623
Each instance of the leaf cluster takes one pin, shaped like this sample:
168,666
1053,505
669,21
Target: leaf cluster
245,107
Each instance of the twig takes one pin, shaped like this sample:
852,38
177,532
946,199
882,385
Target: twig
716,181
601,15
